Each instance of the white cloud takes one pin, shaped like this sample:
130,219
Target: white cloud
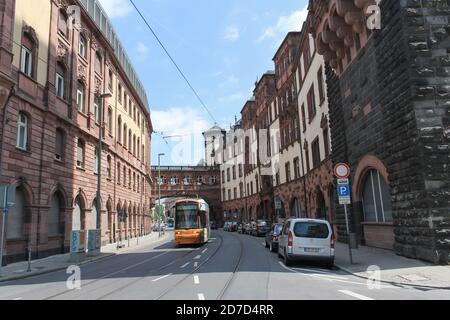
285,24
117,8
232,33
142,50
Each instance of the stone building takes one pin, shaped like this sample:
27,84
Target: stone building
189,181
388,90
53,67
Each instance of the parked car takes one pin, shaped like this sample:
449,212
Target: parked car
240,228
226,226
246,228
308,240
252,228
234,226
273,236
261,228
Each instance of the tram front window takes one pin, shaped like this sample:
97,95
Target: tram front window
186,217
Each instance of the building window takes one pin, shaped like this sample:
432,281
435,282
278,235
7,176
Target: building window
134,181
26,64
119,129
138,150
297,168
303,117
143,153
187,180
81,93
223,176
96,161
15,217
311,104
120,94
98,63
212,180
200,179
138,188
228,175
59,146
234,172
277,178
124,176
240,171
326,142
288,172
376,196
134,145
54,217
321,85
308,165
229,194
125,135
62,24
22,132
130,141
108,167
110,81
80,153
60,78
82,46
315,148
224,195
129,179
118,173
97,109
109,120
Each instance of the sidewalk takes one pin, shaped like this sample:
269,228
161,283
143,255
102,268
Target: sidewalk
61,262
394,269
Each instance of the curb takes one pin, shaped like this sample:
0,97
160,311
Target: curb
392,282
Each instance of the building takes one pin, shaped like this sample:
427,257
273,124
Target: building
389,114
53,67
185,181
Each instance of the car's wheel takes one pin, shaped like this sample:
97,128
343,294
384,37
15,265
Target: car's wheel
287,261
271,248
330,265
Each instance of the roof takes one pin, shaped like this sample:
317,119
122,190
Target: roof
289,35
100,18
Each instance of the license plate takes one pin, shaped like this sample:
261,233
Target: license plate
312,250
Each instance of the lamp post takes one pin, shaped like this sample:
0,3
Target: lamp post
102,98
159,191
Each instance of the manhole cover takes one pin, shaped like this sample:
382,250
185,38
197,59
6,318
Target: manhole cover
413,277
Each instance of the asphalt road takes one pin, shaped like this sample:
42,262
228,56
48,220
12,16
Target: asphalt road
229,267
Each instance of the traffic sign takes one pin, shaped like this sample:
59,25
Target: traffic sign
343,182
345,200
342,171
344,191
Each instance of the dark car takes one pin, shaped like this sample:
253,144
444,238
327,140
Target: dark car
233,226
262,227
214,225
273,236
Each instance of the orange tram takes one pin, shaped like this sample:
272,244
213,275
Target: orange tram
192,224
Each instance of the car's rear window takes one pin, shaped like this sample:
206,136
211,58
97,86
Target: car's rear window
314,230
278,228
263,223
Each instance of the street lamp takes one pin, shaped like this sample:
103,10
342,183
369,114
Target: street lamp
159,191
102,98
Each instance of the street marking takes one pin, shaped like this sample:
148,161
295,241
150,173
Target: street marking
197,257
355,295
326,276
163,277
201,296
196,280
185,265
205,250
312,270
195,264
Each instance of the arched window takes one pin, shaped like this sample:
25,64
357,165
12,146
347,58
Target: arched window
119,129
60,80
138,149
125,135
15,217
98,63
296,210
377,203
59,144
80,153
130,141
108,167
54,216
78,215
27,56
81,94
22,131
109,120
62,24
118,173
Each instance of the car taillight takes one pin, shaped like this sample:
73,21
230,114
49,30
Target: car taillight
290,239
333,242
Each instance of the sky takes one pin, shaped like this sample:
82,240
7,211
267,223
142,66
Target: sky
222,46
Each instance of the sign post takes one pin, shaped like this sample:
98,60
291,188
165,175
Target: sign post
342,172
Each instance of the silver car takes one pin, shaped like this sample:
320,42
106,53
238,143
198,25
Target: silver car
307,240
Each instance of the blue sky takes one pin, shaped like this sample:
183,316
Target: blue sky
222,47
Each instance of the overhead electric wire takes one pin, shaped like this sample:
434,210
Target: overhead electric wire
174,62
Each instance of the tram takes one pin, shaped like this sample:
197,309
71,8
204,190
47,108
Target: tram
192,222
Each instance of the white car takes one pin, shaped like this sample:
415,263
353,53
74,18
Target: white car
307,240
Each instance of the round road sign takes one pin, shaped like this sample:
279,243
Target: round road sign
342,171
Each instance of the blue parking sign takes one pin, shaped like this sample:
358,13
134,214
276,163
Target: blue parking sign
344,191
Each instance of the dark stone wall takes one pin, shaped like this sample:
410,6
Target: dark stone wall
392,102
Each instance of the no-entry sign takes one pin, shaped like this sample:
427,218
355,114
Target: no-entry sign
342,171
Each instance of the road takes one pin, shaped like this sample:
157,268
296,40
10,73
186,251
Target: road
229,267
